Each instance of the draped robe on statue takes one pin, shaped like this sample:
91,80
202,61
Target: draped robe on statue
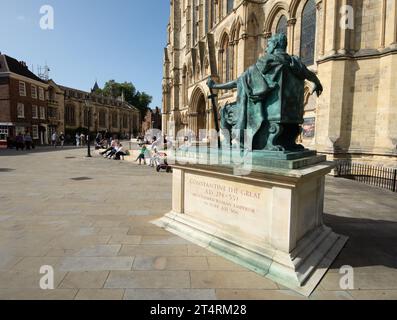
269,104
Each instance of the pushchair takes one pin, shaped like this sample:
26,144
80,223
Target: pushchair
160,161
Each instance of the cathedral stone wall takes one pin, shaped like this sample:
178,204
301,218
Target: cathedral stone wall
350,44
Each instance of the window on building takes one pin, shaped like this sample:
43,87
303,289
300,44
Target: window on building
230,62
125,121
35,132
42,113
282,25
20,130
230,5
22,89
21,110
70,115
41,94
225,55
87,118
212,13
102,118
184,87
35,113
220,9
52,113
114,120
207,16
194,21
253,42
34,91
308,36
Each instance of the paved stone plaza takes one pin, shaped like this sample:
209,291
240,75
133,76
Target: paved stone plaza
90,220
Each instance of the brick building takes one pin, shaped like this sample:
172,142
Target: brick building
29,104
23,102
356,115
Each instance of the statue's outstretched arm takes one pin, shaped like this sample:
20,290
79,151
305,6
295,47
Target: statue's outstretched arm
312,77
223,86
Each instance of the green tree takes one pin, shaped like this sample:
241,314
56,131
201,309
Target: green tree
141,100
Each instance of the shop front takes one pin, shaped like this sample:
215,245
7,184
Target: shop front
5,134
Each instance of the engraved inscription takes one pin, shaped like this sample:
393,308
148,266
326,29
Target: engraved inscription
228,199
233,207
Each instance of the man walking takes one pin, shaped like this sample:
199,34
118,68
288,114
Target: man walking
62,139
77,140
28,141
19,142
54,138
82,139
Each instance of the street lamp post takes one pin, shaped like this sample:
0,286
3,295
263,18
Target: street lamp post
88,134
89,115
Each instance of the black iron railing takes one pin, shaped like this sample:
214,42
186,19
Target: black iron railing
377,176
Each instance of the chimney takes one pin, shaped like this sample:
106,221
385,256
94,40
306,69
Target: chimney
23,63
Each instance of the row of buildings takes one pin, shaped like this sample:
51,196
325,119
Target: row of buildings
29,104
350,44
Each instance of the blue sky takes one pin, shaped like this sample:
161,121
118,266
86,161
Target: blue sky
92,40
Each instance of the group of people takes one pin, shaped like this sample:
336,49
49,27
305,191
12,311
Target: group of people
24,141
55,139
152,154
114,151
80,139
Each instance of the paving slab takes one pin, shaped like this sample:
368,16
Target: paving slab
170,263
148,279
170,294
230,280
84,280
96,263
100,294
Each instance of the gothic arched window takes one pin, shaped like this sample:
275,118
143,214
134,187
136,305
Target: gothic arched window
212,13
194,21
87,117
224,58
70,115
253,41
102,118
308,35
230,60
220,10
184,86
207,16
282,25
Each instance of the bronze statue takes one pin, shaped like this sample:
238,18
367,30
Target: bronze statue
270,99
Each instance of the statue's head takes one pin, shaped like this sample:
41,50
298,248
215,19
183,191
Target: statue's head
278,41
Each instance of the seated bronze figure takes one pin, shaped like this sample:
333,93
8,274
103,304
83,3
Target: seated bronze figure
270,100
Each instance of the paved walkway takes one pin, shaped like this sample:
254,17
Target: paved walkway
89,219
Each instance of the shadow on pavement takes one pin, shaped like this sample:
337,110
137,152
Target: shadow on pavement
371,242
14,152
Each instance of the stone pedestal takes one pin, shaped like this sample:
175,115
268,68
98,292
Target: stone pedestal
270,222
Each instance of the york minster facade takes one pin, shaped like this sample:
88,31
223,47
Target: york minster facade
350,44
